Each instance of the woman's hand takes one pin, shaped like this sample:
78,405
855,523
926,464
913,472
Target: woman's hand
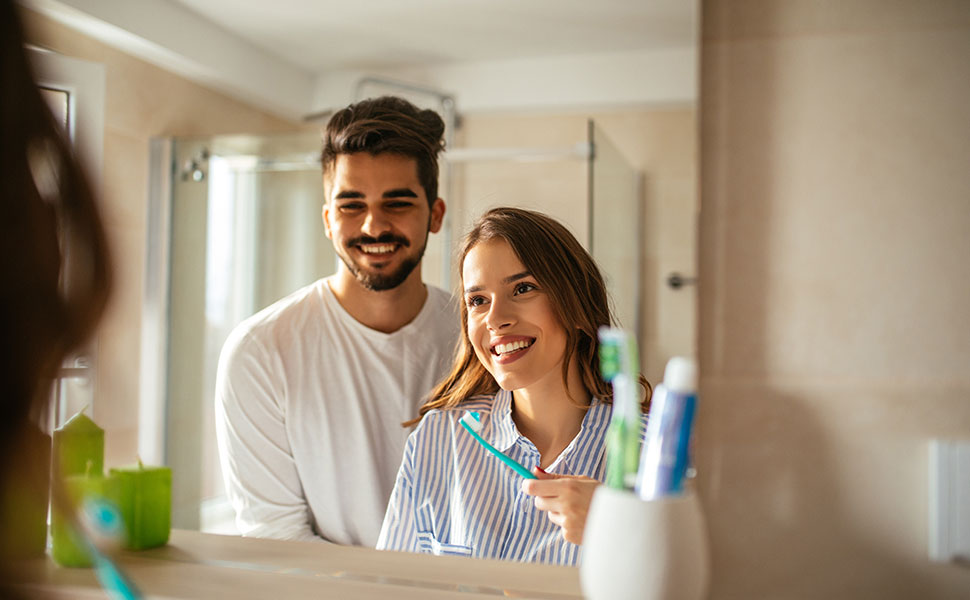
565,497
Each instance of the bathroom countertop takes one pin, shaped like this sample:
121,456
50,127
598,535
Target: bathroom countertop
201,565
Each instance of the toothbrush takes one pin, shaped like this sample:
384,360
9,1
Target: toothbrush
619,365
100,520
472,422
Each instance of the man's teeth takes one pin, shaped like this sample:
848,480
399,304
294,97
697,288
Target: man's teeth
512,346
377,248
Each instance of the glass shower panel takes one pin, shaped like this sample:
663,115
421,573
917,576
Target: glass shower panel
615,226
246,231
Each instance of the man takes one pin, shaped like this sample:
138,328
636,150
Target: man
311,391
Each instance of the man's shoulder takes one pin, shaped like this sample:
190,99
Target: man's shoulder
442,301
439,296
292,312
440,314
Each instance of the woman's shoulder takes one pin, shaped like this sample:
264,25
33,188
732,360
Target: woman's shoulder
480,404
449,417
438,428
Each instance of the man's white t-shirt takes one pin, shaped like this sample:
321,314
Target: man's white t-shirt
309,405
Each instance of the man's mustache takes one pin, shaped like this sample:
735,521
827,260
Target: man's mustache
384,238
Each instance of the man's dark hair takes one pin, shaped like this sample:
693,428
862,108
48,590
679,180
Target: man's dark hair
387,124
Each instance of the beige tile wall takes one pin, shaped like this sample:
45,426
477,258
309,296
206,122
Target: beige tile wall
142,101
659,141
835,296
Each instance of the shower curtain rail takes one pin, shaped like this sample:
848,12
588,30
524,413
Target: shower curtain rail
311,161
578,151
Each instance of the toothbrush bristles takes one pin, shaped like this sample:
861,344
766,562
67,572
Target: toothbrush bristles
472,419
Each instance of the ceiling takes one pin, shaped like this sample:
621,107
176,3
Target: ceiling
321,35
300,57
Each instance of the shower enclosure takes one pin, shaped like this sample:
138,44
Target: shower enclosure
235,224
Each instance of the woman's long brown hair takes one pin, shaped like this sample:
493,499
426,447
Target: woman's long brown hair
577,293
53,249
55,274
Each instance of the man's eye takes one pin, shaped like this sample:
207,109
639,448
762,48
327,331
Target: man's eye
350,207
399,204
523,288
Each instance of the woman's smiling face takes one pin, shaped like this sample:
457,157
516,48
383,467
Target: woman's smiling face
511,324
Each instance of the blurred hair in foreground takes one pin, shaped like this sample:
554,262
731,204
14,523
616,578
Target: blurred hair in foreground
55,279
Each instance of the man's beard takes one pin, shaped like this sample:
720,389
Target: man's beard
379,282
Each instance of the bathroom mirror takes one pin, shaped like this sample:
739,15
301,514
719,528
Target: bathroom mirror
235,224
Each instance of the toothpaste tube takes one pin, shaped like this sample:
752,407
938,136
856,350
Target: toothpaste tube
666,451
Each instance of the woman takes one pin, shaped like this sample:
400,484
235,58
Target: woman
533,301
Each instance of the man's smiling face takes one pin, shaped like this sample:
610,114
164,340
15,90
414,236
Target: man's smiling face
379,218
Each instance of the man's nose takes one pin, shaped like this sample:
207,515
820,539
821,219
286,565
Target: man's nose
375,223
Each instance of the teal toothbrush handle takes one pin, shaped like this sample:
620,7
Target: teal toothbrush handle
501,455
119,586
105,518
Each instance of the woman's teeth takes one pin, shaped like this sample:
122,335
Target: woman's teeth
501,349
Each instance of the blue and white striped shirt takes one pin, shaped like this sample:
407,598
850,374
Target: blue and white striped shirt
454,497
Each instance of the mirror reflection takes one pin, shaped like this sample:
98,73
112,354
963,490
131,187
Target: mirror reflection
234,220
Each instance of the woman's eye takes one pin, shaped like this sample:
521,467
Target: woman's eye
522,288
476,301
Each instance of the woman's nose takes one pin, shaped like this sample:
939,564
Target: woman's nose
500,315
